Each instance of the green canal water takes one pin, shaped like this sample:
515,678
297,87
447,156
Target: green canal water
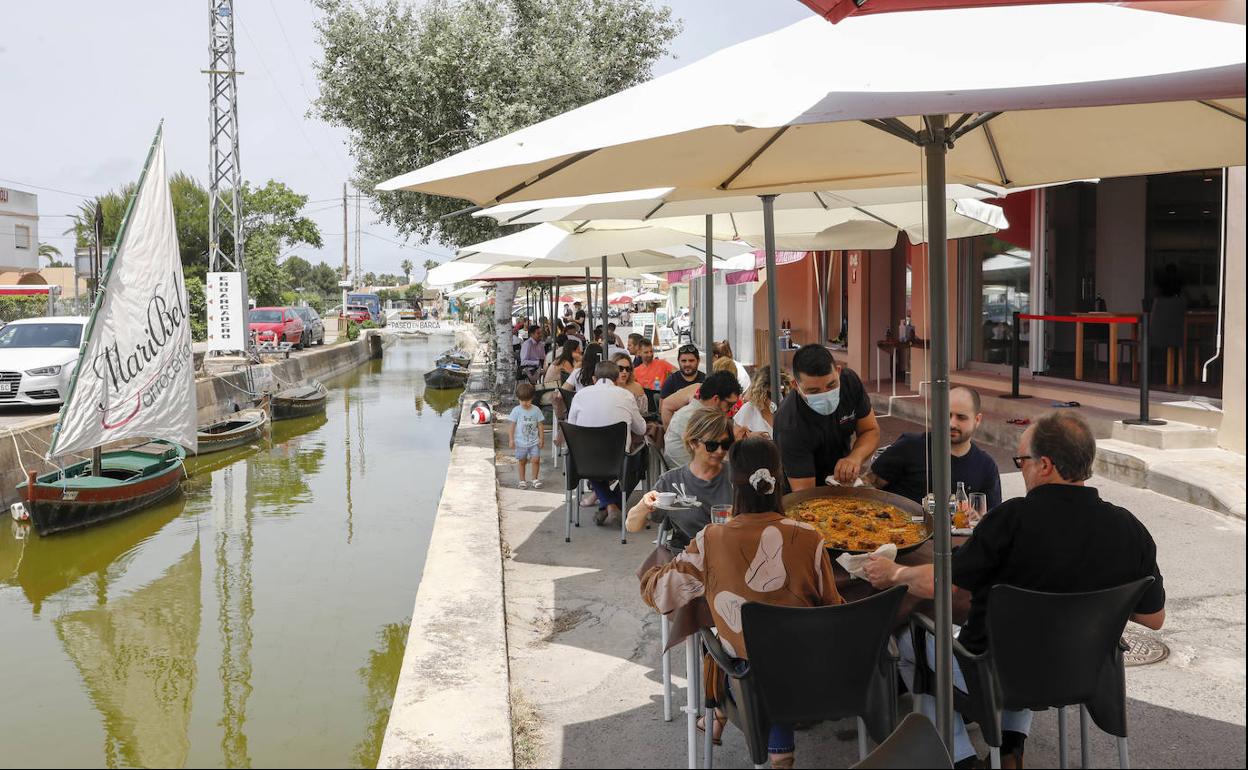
259,619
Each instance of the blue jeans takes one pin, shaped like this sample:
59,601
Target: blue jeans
780,741
1014,721
606,495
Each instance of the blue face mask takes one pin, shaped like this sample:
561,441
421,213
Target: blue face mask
824,404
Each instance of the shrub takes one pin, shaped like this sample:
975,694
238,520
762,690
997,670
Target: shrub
353,331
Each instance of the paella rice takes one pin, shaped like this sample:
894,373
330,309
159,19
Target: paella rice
854,524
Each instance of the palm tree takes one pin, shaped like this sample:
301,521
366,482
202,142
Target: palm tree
406,266
53,254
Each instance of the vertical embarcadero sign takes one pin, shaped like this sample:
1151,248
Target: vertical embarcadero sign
227,311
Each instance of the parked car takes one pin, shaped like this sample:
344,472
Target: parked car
313,326
277,324
37,357
357,313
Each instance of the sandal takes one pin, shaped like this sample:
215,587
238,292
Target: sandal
720,721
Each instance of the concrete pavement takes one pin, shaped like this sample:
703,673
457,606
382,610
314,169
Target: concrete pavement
584,649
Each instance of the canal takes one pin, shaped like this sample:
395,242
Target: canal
257,620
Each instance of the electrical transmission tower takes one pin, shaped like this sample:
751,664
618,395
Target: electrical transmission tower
225,212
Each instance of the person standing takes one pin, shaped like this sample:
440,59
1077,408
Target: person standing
826,427
526,435
904,468
1060,538
687,358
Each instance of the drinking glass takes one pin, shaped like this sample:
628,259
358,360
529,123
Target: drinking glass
979,507
720,514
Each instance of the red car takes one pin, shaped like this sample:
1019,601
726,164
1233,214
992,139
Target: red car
357,313
277,324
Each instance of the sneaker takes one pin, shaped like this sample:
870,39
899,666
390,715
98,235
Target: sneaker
522,485
537,483
589,498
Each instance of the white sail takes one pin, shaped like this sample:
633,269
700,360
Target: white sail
134,376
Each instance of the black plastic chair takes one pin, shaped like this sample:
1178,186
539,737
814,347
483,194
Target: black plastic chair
599,454
809,664
914,744
1047,650
652,401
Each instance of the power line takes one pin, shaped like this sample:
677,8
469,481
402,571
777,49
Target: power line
47,189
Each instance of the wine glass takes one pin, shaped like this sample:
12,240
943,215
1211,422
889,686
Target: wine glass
979,507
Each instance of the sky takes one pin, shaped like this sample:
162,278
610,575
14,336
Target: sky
85,84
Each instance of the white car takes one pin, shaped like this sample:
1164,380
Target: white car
37,358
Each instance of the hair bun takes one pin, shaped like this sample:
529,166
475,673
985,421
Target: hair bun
762,481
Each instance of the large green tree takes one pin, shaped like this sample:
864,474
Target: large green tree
413,84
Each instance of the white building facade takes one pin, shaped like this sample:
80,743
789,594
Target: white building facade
19,230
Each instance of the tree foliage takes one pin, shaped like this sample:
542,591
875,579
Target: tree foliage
414,84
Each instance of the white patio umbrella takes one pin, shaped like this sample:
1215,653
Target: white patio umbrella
1097,90
622,252
851,219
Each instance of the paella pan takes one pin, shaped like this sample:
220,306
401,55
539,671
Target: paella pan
860,519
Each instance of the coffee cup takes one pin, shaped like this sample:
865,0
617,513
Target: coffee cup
665,499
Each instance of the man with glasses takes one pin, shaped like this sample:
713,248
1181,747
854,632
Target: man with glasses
720,391
688,359
825,427
1060,538
905,468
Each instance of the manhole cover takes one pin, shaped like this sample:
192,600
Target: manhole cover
1143,649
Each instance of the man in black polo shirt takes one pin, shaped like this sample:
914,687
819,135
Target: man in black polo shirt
687,359
1062,538
825,427
904,468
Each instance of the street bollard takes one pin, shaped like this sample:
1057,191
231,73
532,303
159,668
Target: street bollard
1144,346
1016,355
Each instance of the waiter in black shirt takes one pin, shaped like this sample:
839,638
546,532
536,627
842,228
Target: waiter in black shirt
1060,538
904,468
826,426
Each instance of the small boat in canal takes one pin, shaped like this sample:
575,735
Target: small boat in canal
454,356
446,377
299,401
133,380
128,480
242,427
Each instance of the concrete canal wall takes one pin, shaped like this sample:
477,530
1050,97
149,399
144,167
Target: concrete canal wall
22,447
452,707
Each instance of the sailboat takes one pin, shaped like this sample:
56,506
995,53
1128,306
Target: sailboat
134,377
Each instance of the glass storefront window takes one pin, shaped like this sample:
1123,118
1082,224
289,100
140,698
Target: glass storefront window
999,286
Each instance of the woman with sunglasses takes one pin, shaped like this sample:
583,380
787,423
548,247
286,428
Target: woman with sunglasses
708,437
628,382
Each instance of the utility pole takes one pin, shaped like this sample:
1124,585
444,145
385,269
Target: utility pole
346,267
225,184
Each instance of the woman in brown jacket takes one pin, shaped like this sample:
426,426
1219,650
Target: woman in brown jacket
758,556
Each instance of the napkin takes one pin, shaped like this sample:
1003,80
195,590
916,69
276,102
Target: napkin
854,562
832,482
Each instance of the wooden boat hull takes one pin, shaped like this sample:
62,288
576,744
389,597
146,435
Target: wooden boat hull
60,501
459,359
237,430
303,401
445,378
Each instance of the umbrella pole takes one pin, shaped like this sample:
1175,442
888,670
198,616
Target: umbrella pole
588,331
709,295
934,151
606,333
769,245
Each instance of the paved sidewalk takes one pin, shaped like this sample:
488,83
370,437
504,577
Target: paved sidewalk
584,648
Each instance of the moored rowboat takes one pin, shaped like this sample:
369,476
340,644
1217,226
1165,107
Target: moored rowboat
129,479
239,428
299,401
446,376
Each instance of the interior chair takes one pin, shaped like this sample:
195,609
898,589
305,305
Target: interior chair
1045,650
1165,330
599,454
809,664
914,744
